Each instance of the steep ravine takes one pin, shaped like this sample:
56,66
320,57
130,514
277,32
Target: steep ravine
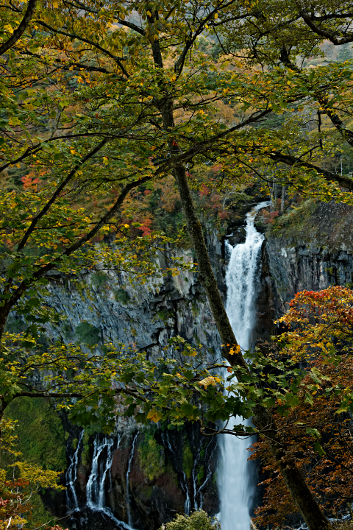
154,474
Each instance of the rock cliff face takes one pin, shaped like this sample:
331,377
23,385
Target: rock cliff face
145,476
313,268
311,252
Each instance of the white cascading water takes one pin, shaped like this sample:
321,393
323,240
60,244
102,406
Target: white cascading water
101,468
95,490
233,481
71,476
127,494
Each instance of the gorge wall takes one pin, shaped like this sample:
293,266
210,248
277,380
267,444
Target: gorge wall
309,249
148,475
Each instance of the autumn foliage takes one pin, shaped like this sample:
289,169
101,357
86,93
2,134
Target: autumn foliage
318,431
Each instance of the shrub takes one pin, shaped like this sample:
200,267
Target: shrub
196,521
122,296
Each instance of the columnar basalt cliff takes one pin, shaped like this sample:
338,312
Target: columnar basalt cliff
311,250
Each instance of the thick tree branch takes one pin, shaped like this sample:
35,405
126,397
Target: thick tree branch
290,160
330,35
17,34
132,26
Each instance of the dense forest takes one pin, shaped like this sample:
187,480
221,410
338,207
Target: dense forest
135,138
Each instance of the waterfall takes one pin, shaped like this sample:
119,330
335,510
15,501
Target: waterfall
233,483
208,475
71,476
101,465
127,478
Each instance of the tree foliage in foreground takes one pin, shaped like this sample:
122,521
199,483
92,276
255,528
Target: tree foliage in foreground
20,485
318,428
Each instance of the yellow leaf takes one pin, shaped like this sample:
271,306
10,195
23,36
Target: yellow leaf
149,13
235,350
216,15
154,415
208,381
105,160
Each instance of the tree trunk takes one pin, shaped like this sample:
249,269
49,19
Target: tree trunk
262,418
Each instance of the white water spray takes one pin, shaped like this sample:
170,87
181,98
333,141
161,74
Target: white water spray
233,481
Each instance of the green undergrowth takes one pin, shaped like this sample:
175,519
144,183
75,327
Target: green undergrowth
41,436
151,457
296,223
326,225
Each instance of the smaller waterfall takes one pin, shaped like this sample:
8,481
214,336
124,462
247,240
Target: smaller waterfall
198,497
182,476
185,488
196,492
96,485
233,481
128,498
71,476
100,466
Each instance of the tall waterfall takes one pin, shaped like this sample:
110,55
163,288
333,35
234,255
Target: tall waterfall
233,481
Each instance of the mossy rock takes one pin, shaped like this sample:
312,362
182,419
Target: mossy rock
151,457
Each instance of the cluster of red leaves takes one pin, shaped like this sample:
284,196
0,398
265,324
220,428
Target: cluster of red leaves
13,505
211,202
28,182
317,433
269,217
